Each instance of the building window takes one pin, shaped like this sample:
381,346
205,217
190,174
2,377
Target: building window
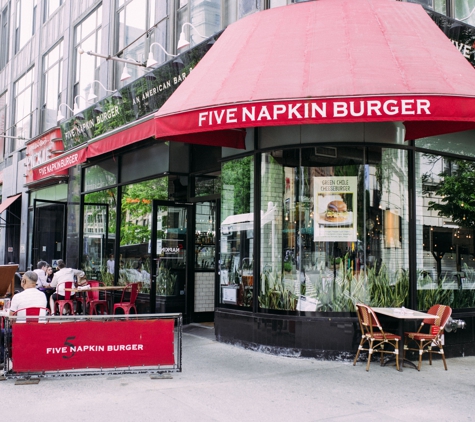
88,37
3,114
25,22
22,109
4,37
52,81
50,7
465,11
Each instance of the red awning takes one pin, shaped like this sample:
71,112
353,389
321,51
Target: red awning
5,204
323,62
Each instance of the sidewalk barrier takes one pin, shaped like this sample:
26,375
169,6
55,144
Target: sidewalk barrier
49,346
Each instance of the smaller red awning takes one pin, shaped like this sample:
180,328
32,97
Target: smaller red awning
5,204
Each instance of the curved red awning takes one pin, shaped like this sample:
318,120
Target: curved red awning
326,61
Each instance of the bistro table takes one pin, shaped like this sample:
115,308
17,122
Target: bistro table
402,314
83,291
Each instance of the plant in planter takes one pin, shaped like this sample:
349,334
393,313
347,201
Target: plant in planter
166,282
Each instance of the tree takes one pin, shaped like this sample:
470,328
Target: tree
456,189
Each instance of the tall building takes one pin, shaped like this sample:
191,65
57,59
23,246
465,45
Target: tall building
153,132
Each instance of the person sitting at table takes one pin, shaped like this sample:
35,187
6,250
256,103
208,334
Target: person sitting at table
60,277
49,274
42,282
30,297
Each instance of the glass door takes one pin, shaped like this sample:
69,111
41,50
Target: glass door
48,231
169,263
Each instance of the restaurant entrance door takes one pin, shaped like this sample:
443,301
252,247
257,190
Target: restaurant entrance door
169,268
49,233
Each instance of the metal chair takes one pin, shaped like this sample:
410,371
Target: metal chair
94,302
432,337
32,314
61,305
127,306
373,334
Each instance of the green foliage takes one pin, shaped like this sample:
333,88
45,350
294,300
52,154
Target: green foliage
275,295
236,174
166,282
457,194
383,292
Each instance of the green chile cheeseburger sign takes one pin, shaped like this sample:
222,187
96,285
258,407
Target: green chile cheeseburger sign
139,98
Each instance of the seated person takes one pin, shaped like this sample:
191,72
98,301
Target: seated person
43,283
60,277
30,297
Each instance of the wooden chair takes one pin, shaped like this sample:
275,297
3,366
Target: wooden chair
426,339
373,334
7,279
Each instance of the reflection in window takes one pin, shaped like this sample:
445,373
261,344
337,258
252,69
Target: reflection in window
100,175
445,239
52,70
333,229
465,11
4,37
23,108
87,36
25,22
237,224
50,7
100,212
135,230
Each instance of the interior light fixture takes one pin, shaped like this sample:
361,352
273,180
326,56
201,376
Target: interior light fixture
91,96
151,60
183,42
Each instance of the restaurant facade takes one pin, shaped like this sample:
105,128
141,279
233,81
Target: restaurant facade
268,177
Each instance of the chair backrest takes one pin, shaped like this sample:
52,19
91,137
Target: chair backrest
443,312
7,278
93,294
32,312
66,285
133,291
367,317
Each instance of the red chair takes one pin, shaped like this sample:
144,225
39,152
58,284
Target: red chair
94,301
127,306
430,341
62,304
30,313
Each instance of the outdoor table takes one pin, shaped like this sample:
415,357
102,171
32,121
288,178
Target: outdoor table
83,292
402,314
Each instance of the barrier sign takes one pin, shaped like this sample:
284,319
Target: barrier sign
59,344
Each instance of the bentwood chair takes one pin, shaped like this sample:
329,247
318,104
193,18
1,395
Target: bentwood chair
94,302
61,305
373,335
125,305
425,339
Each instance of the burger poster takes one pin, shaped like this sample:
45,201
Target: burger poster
335,208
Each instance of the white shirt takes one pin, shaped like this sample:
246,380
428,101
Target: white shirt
110,266
42,279
28,298
63,275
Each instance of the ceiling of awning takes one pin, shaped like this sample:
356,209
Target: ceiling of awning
323,62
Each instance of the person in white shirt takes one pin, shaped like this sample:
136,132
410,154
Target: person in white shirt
60,277
30,297
110,264
42,282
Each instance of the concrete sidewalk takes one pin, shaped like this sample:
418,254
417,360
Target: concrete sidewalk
226,383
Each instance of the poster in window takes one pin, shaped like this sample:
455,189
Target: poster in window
335,208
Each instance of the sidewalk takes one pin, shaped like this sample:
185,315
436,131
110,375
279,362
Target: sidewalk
220,382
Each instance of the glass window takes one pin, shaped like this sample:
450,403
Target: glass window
277,3
454,143
3,114
205,220
135,230
52,77
4,37
246,7
465,11
100,175
100,212
445,236
50,8
25,22
88,37
237,232
334,229
23,109
206,18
